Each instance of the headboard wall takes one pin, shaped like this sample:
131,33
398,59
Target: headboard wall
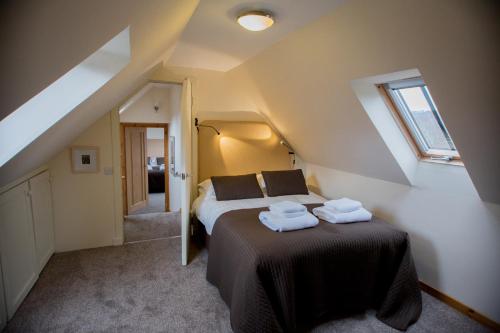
241,148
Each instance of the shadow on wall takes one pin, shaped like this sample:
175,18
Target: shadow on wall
242,147
312,184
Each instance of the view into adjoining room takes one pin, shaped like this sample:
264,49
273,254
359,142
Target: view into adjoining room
148,126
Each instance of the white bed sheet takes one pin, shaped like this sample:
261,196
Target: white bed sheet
208,209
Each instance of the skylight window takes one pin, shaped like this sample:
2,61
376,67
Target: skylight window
41,112
419,119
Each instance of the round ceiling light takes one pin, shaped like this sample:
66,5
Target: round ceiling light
256,20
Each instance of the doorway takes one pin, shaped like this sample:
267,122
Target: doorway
161,103
145,182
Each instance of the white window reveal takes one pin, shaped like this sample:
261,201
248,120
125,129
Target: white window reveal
41,112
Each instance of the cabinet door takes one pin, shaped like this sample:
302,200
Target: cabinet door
43,219
17,246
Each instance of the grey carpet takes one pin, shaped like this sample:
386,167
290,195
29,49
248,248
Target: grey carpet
156,204
151,226
142,287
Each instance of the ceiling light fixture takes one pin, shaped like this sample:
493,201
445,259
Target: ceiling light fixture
256,20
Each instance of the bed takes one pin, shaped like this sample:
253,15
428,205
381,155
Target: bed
293,281
156,181
156,174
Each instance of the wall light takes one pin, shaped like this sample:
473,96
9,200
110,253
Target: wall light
208,126
256,20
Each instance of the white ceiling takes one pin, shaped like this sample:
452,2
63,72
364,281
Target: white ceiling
214,40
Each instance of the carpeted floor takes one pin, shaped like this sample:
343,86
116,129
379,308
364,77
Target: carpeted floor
142,287
151,226
156,204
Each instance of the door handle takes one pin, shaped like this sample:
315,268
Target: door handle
123,177
181,175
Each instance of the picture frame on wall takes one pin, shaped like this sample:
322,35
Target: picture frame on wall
84,159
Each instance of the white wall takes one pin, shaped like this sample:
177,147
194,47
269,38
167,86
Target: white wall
454,235
155,133
143,111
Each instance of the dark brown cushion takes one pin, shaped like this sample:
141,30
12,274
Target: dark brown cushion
286,182
236,187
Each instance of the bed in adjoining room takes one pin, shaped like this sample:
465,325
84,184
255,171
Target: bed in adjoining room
292,281
156,175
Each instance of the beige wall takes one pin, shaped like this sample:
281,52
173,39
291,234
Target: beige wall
242,148
155,147
84,204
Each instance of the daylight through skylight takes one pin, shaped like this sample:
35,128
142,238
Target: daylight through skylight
34,117
421,117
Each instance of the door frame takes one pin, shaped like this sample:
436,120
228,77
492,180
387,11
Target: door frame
123,163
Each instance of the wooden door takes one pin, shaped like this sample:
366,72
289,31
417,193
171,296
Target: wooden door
136,165
43,218
17,246
185,162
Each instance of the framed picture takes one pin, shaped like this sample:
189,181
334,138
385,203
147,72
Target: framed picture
84,159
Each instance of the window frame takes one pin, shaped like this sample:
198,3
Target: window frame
402,120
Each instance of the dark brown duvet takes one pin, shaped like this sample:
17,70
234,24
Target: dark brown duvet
292,281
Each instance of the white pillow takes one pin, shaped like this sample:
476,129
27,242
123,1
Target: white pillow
162,166
150,167
206,187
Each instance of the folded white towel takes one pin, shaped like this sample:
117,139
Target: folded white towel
329,215
344,205
287,207
291,215
277,223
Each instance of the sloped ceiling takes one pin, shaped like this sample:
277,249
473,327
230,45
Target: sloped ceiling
41,40
214,40
303,83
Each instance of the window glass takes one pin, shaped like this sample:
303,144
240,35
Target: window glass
413,101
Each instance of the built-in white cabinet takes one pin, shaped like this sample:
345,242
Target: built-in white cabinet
43,220
26,237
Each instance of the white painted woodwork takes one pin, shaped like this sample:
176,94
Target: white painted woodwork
17,246
185,166
43,217
135,155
